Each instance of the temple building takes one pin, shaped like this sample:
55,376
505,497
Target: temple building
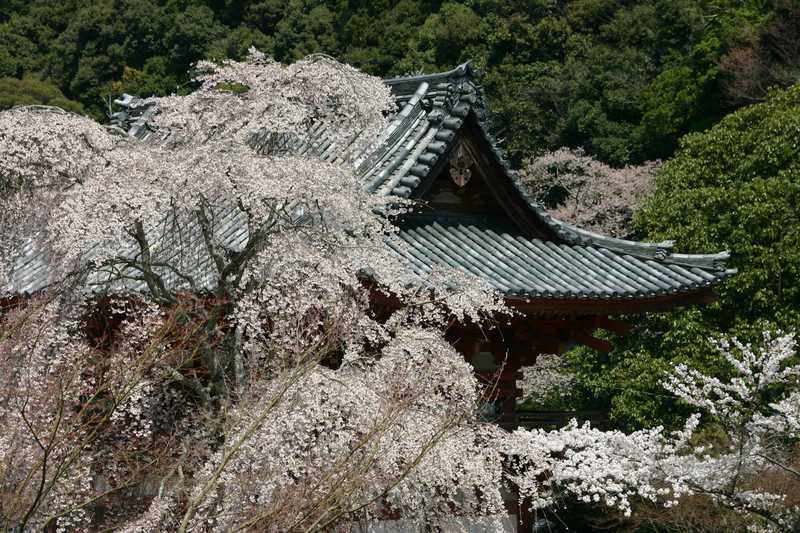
473,214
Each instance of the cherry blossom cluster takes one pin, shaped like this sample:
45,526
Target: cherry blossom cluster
392,437
256,267
549,374
69,407
757,409
606,467
588,193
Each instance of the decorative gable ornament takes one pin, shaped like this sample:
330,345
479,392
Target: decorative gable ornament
460,165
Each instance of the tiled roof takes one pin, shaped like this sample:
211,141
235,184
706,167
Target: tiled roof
520,266
431,109
182,248
514,264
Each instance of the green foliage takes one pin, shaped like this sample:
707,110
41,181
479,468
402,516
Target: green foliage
624,80
628,380
30,91
735,187
452,35
235,88
22,48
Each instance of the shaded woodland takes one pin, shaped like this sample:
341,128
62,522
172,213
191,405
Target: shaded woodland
622,80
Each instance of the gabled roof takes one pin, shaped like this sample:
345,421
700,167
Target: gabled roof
541,258
568,262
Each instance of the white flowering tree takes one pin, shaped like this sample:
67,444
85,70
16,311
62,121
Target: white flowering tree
205,355
750,468
588,193
758,413
240,370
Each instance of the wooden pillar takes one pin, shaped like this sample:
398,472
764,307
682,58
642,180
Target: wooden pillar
499,356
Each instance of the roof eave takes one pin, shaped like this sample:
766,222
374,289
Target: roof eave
610,306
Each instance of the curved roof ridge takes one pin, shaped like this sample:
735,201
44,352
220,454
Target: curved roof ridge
576,235
658,251
464,70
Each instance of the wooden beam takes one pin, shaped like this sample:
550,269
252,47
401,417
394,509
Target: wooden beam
584,307
592,342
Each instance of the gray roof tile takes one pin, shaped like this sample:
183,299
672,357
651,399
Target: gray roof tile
537,268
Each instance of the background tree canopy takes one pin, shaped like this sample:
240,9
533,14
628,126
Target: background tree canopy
623,80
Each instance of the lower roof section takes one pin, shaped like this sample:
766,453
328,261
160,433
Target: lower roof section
530,270
533,274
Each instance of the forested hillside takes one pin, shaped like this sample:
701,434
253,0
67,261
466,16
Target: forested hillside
622,79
